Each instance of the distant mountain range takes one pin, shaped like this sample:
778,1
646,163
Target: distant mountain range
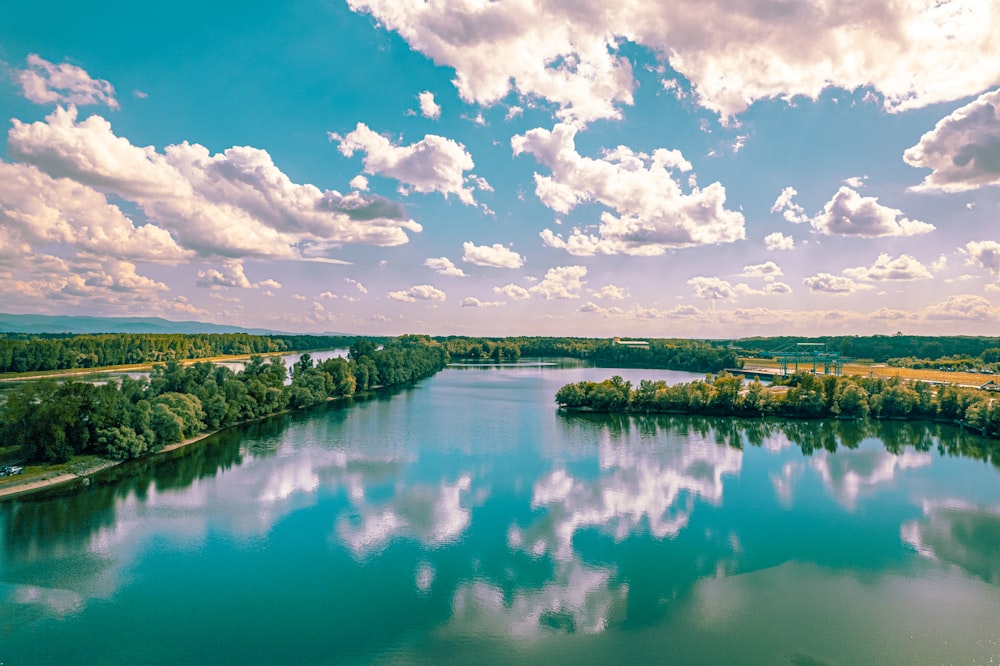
18,323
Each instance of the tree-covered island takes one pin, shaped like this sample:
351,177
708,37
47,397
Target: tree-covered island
803,395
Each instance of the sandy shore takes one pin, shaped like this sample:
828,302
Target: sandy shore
17,489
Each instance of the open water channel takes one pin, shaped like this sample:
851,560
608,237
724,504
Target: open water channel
463,519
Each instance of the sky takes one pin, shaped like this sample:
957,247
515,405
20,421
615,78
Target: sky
693,168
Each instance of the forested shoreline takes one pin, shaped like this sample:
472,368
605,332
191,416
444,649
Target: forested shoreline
51,422
803,395
21,352
24,352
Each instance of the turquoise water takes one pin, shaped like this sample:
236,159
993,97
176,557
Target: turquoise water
464,520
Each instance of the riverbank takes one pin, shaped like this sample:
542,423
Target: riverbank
11,488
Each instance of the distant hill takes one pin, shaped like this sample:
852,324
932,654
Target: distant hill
17,323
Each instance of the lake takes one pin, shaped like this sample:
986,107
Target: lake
463,519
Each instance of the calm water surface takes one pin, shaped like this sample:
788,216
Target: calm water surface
464,520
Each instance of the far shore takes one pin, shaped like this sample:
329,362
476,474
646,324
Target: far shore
136,367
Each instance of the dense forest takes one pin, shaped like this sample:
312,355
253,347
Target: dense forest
21,352
884,348
670,354
804,395
51,422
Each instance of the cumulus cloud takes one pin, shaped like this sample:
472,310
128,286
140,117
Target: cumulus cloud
778,241
963,149
232,274
43,82
428,107
984,253
106,283
444,266
772,286
561,282
651,211
611,292
768,268
833,284
433,164
513,292
472,302
912,54
38,209
850,214
717,289
357,285
962,307
712,288
903,267
423,292
495,256
231,204
790,210
359,182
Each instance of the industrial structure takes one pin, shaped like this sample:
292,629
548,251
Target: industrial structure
808,354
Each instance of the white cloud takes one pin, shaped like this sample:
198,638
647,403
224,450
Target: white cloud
231,275
850,214
833,284
610,292
777,288
444,266
433,164
424,292
791,211
778,241
428,107
913,54
963,149
359,182
712,288
357,285
903,267
561,282
716,289
495,256
768,268
513,112
513,292
985,253
857,182
43,82
962,308
39,209
651,212
941,263
472,302
233,204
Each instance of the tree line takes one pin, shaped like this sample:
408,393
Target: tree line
32,353
803,395
670,354
884,348
51,422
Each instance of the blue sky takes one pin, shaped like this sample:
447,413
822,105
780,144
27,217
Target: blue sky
693,169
